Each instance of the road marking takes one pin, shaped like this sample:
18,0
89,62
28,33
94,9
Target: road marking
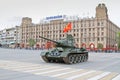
79,75
41,69
85,77
117,77
109,76
60,74
72,74
99,76
18,68
51,71
56,71
31,68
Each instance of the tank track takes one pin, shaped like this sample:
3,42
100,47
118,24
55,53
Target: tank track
76,58
70,59
45,59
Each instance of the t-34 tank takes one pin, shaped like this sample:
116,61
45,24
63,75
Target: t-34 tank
65,51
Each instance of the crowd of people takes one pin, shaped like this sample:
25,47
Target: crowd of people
43,47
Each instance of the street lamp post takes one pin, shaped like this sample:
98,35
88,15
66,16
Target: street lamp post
116,48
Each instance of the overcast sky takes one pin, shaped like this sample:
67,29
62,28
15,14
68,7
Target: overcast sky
12,11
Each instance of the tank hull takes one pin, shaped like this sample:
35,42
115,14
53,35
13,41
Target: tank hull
71,58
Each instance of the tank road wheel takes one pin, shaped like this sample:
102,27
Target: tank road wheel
76,58
45,59
51,61
71,59
86,57
82,58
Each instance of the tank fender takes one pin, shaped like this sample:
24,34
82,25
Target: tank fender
43,53
65,54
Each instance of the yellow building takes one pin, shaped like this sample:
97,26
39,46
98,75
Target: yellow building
88,32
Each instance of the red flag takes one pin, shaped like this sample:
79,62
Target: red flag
65,30
68,27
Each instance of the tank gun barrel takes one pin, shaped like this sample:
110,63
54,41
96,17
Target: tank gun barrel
58,44
49,39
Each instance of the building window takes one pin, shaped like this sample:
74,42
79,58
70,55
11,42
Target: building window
102,33
74,34
84,34
74,30
77,34
98,29
81,30
89,29
77,40
93,39
98,34
102,23
60,35
102,39
89,34
81,25
89,25
102,29
93,34
85,25
73,25
98,39
93,24
98,24
89,39
85,39
81,34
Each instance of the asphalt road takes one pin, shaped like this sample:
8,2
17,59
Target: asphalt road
16,64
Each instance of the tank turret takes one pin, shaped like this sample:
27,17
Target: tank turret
64,43
65,51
